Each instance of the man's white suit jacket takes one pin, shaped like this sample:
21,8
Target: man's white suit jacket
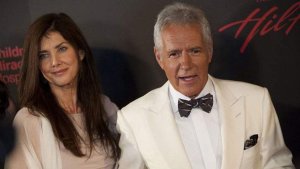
150,138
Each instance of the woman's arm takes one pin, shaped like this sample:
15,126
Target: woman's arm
27,150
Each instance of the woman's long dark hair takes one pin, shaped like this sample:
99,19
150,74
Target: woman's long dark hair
36,95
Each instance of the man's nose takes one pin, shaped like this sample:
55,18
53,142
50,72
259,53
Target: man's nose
186,60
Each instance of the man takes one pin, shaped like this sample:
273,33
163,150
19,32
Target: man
235,127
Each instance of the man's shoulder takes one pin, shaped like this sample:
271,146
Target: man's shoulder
235,83
149,99
238,86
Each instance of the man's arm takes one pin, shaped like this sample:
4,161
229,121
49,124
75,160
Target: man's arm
130,155
274,152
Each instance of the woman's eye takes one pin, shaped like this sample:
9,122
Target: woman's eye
43,55
62,49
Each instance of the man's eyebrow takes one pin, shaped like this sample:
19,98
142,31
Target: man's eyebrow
174,50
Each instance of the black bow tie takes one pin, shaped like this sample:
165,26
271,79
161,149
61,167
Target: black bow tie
185,106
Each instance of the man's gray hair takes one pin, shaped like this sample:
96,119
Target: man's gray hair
180,13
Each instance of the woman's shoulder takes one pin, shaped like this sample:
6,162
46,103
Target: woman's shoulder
111,111
25,118
110,107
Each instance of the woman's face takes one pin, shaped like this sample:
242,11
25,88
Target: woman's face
59,61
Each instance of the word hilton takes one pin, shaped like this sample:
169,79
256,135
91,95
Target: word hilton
269,21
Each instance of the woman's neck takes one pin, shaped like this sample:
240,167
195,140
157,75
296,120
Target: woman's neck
67,98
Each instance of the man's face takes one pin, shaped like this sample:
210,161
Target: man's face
184,57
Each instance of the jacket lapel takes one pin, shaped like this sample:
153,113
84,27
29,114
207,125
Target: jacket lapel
165,133
232,125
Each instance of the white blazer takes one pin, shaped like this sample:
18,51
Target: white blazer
150,138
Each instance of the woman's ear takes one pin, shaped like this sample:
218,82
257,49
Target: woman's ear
81,54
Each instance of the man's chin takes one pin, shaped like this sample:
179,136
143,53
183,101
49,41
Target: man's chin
190,93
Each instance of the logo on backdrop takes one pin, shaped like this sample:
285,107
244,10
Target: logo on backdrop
10,63
262,22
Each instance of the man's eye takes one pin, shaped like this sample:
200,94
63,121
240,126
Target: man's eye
195,51
173,54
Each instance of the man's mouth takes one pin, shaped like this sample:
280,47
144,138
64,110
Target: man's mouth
187,78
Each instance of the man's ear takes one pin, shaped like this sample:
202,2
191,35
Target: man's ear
158,57
210,57
210,54
81,54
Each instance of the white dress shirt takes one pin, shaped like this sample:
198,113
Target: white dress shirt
200,131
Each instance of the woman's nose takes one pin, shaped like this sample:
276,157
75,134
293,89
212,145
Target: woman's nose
55,60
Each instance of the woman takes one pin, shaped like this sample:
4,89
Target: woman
65,122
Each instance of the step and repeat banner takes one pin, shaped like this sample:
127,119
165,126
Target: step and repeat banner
256,41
